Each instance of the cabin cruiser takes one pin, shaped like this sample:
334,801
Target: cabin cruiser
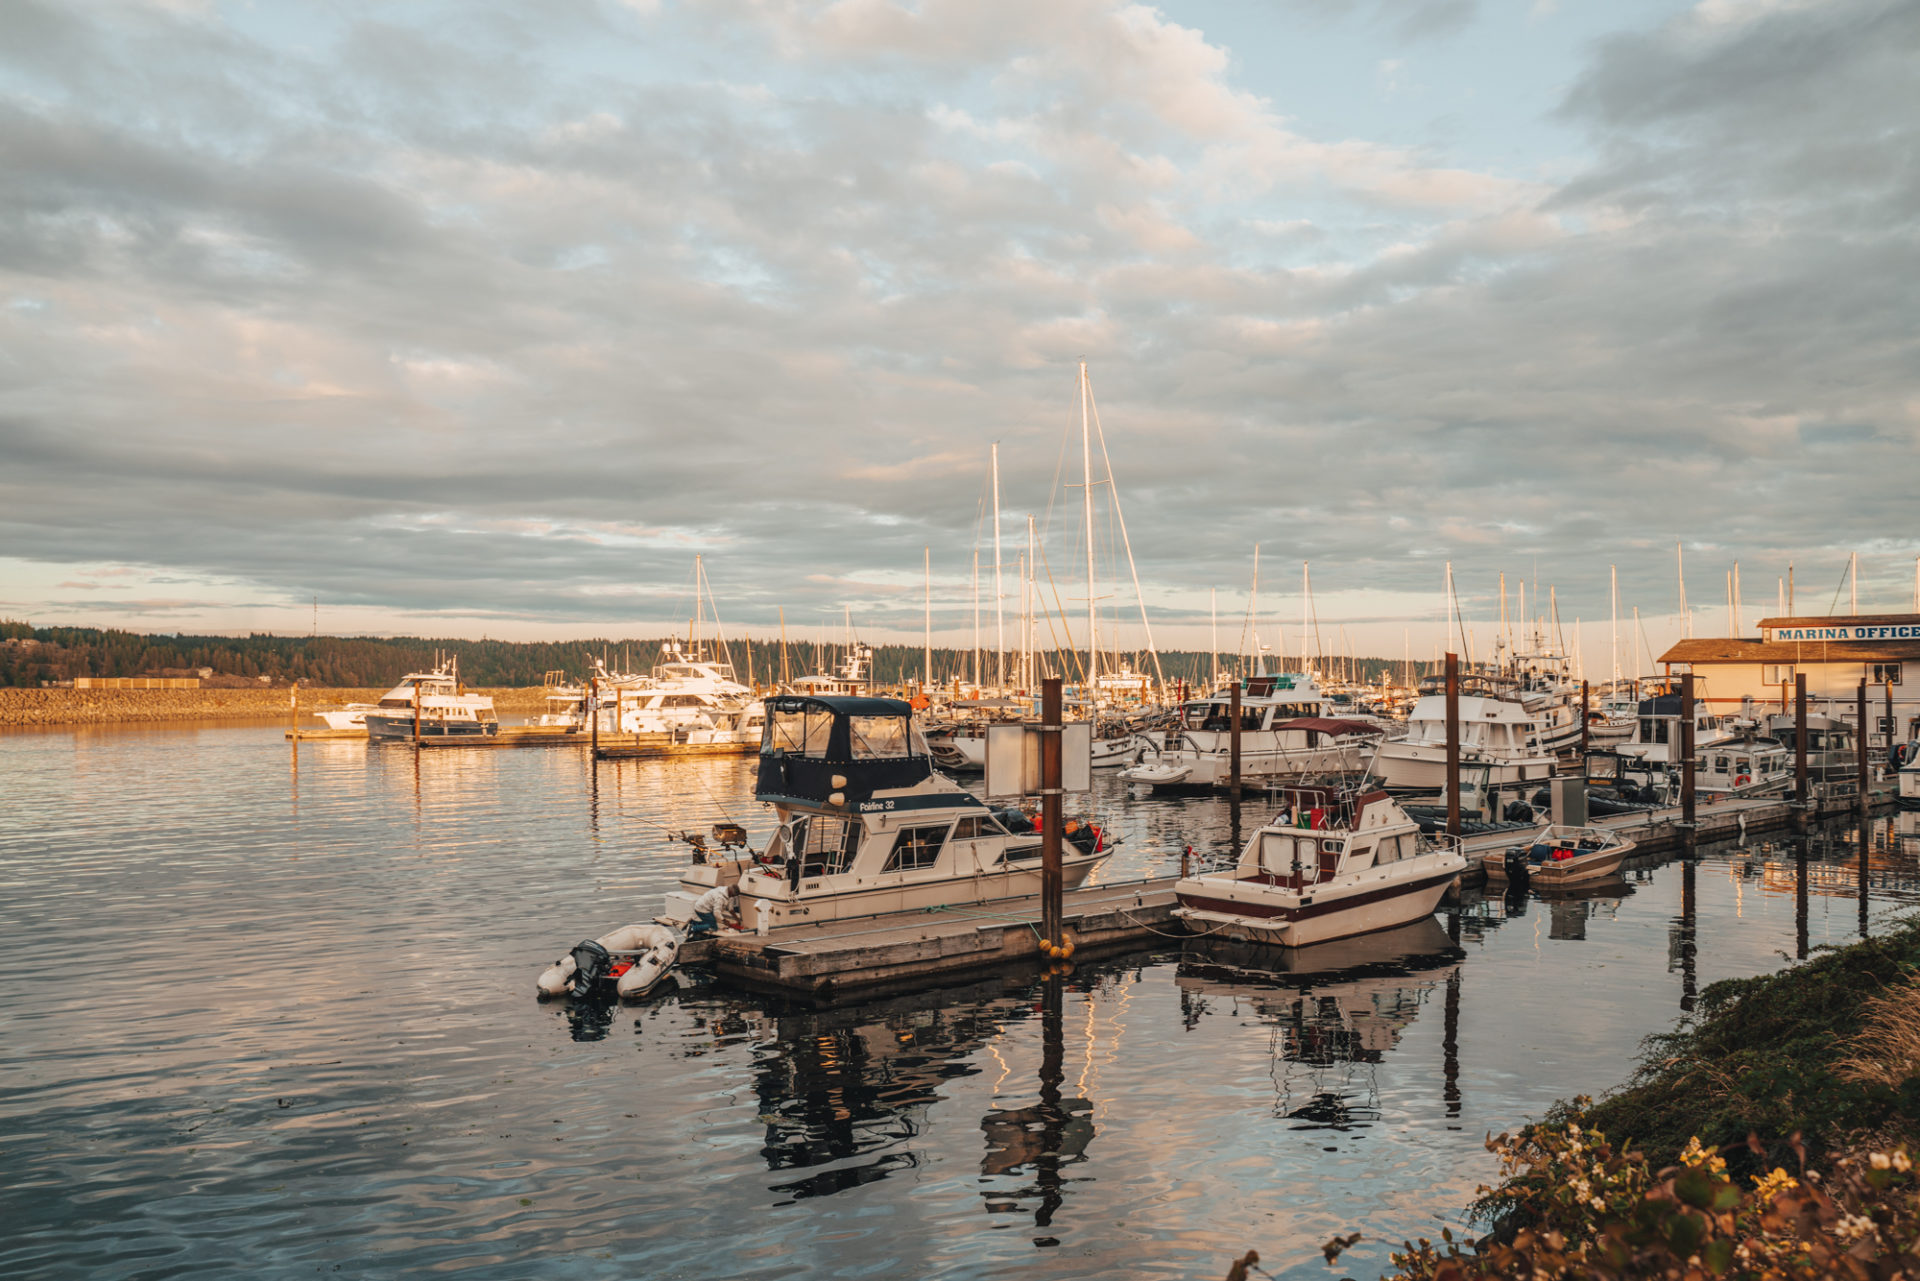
1333,863
1285,734
1746,767
1657,738
354,715
868,826
435,710
1831,753
1496,730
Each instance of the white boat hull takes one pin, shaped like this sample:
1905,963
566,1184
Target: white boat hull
764,892
1409,766
1255,912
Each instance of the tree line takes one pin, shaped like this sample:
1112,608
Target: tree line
32,655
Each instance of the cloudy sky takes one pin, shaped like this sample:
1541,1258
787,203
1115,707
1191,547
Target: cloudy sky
469,318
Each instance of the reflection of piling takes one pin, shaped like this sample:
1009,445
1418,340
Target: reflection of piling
1800,797
1686,756
1800,898
1689,969
1866,836
1450,1044
1052,1111
1453,744
1233,742
1860,754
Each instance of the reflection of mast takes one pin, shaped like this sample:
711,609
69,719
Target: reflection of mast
1450,1032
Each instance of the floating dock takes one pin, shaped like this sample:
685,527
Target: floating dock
873,956
876,955
611,747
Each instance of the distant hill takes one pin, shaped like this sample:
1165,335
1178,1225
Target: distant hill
30,655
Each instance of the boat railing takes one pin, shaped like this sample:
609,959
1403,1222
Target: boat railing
1445,843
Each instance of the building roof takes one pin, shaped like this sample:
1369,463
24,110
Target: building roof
1737,649
1841,620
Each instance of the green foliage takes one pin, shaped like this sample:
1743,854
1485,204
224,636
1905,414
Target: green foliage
1769,1055
1591,1209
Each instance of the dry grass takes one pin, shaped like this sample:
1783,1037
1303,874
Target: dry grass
1886,1050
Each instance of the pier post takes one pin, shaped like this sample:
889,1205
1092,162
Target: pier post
1050,816
1233,741
1800,797
1453,744
1583,718
593,718
1860,748
1686,754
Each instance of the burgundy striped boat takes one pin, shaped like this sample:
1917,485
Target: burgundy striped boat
1331,864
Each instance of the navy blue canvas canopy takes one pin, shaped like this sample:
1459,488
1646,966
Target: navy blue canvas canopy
809,741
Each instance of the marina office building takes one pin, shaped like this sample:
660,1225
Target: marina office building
1835,654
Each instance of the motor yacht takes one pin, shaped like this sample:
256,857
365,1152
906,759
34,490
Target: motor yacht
868,826
1285,735
1331,864
1496,730
436,710
354,715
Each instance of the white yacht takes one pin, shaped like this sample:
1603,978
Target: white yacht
354,715
1330,865
853,676
1496,730
868,826
686,691
1285,733
435,710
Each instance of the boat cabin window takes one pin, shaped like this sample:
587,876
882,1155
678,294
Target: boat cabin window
1653,729
971,827
802,733
915,848
878,737
823,844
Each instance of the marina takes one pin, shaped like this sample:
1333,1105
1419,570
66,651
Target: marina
816,1129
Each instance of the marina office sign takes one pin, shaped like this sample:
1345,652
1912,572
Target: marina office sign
1848,632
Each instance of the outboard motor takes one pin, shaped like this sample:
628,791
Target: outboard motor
1516,864
591,964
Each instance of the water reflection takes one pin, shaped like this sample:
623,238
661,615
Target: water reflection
843,1093
1335,1010
1043,1138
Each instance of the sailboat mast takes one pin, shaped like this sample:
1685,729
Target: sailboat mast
1853,583
976,618
927,644
1613,651
1680,568
999,625
1033,601
1086,477
699,631
1213,619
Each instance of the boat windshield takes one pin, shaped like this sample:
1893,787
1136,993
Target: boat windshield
802,733
877,737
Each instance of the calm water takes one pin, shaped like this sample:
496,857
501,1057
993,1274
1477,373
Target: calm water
268,1016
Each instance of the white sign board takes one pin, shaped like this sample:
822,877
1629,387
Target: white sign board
1013,760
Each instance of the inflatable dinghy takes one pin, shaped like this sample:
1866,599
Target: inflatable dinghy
632,959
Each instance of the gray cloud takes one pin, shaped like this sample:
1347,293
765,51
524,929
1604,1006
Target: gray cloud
476,319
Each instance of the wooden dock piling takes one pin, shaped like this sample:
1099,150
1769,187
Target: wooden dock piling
1453,745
